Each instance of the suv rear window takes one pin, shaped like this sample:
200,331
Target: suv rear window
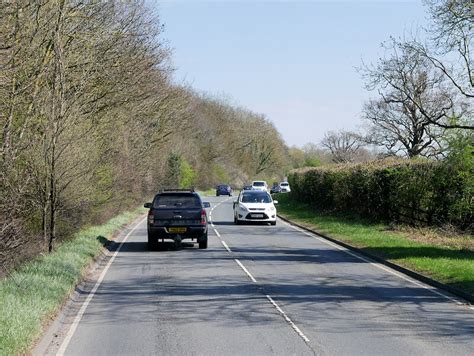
258,184
177,201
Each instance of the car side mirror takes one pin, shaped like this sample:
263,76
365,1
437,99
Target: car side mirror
275,202
206,204
147,205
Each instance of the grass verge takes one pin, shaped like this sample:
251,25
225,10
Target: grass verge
447,259
35,292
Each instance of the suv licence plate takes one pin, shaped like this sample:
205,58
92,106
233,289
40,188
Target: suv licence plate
257,215
177,230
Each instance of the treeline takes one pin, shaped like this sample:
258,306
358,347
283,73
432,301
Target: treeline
92,122
225,143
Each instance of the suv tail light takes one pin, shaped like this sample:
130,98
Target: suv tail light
151,217
203,217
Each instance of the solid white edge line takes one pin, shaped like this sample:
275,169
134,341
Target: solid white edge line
81,312
246,271
378,265
288,320
217,233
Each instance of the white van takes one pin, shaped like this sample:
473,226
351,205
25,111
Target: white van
259,185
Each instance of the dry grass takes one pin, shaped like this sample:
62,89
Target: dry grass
444,237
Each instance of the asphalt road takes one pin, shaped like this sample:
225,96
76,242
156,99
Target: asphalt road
257,290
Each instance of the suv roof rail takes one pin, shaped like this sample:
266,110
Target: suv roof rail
177,190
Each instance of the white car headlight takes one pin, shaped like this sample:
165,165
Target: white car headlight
271,208
243,208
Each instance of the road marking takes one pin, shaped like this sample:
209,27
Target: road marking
215,206
226,247
277,307
81,312
246,271
252,278
288,320
378,265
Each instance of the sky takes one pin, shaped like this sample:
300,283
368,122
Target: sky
293,61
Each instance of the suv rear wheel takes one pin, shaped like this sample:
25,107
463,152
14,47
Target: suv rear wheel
203,241
152,243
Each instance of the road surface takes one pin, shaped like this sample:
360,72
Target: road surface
257,290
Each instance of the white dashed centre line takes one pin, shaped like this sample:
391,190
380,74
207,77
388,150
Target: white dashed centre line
288,320
252,278
226,247
246,271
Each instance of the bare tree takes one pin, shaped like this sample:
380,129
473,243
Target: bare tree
343,145
450,51
400,129
415,104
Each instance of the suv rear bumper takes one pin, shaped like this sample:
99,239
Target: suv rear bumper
192,232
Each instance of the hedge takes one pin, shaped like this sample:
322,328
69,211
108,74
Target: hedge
413,192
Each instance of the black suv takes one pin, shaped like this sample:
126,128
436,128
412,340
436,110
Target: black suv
177,214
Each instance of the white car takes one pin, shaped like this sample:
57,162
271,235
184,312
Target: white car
260,185
255,205
285,187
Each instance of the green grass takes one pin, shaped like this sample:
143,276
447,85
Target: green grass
447,264
35,292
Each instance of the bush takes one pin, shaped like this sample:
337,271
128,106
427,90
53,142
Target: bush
414,192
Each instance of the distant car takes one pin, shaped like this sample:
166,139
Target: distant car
260,185
224,189
285,187
177,214
275,188
247,187
255,205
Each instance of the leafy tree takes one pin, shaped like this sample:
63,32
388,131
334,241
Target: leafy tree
187,175
173,171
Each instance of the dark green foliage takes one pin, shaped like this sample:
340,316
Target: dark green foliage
173,170
414,192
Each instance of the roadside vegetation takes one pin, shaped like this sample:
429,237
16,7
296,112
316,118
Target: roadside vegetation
403,187
445,256
93,122
421,192
32,294
411,167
